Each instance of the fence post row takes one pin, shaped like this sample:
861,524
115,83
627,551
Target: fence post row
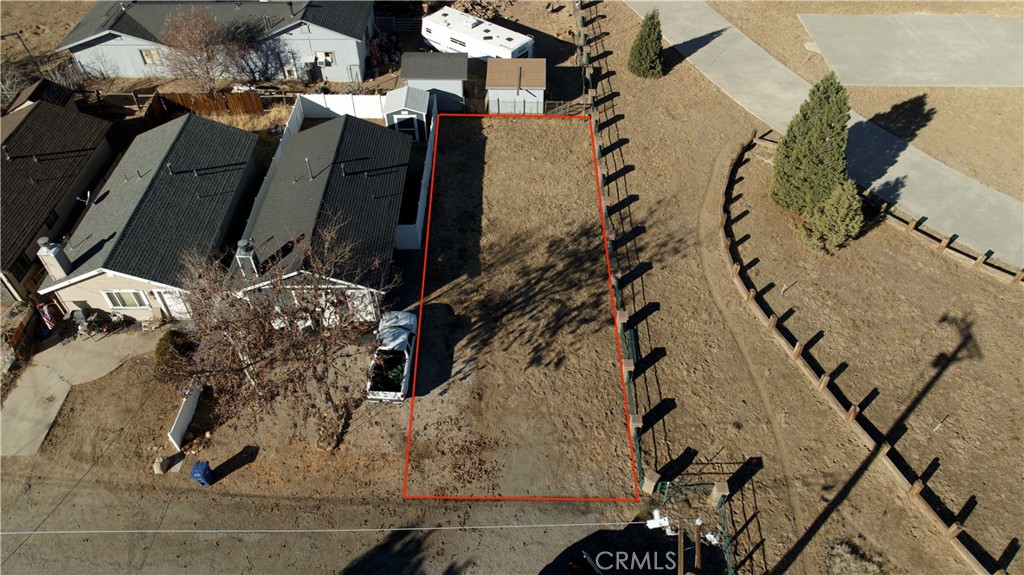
849,414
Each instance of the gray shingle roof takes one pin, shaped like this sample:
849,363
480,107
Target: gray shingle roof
407,99
146,218
43,91
146,19
434,66
62,141
359,173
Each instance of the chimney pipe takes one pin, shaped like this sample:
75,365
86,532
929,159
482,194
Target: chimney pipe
6,155
309,169
247,259
54,259
169,171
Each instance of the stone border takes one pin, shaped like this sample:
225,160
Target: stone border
872,438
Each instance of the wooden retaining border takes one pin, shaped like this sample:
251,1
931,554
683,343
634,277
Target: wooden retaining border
915,228
909,480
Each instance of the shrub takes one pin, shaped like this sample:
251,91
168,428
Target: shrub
811,159
645,55
845,558
172,351
832,225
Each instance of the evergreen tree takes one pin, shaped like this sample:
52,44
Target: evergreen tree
645,55
833,224
811,159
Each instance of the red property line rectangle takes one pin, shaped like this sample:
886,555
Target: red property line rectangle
611,295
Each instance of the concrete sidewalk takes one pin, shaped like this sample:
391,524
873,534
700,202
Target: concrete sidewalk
951,203
35,401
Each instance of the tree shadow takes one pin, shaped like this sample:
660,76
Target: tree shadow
400,553
965,349
679,52
875,145
906,119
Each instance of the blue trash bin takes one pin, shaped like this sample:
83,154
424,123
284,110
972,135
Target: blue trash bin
202,474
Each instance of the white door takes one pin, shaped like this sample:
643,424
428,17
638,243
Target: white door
173,305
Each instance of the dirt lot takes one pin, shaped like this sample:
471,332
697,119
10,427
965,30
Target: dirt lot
977,131
518,371
717,391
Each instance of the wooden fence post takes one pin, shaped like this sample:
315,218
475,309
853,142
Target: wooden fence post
798,348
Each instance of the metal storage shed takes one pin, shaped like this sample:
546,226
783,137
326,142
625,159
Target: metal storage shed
406,110
516,86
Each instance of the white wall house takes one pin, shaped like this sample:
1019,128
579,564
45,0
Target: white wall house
162,201
449,30
124,39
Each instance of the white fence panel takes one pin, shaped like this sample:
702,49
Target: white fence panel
184,418
334,105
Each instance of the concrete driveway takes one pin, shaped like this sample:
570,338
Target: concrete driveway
33,404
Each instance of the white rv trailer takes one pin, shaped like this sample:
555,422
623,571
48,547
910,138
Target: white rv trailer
449,30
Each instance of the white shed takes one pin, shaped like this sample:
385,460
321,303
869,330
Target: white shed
406,110
516,86
449,30
443,75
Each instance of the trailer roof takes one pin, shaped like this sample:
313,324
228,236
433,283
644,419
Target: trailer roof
477,29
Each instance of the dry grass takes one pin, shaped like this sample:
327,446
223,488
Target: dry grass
845,558
275,116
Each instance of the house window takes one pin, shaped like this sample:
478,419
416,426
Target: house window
52,218
127,299
150,57
326,59
457,42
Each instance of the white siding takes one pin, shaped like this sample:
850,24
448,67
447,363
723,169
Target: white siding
511,102
117,57
306,40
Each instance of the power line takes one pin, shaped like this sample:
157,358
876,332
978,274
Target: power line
323,530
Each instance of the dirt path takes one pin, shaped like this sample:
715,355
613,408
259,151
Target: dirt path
711,264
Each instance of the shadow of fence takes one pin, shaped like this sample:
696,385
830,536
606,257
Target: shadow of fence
913,483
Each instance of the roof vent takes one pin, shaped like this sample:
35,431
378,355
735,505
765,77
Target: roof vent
471,23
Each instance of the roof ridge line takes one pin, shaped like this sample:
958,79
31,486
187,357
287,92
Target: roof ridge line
149,187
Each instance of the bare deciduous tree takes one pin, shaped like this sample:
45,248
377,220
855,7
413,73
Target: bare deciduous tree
12,81
282,339
197,48
253,57
207,52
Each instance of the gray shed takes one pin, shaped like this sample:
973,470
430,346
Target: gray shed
406,110
443,75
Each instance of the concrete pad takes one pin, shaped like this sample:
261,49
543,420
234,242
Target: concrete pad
970,50
39,393
982,218
29,411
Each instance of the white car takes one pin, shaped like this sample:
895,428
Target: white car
391,368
